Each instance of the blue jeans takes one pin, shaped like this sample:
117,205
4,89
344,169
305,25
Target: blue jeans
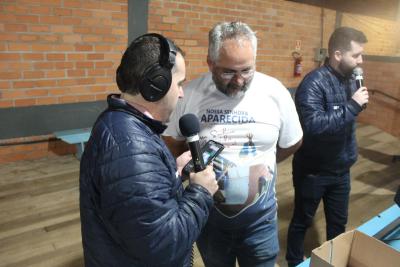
309,189
256,245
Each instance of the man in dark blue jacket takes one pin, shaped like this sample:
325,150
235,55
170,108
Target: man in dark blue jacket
328,103
134,210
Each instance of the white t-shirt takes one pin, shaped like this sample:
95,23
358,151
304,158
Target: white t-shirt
249,125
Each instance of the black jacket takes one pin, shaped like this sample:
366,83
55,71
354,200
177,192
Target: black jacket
134,210
327,115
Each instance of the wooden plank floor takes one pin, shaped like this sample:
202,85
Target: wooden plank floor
40,226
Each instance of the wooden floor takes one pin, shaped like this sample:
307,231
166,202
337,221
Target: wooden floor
40,226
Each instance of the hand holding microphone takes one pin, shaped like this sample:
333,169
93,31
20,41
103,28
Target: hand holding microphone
361,95
204,175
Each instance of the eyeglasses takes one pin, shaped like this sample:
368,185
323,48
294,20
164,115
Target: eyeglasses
245,74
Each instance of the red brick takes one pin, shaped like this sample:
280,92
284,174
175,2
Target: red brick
39,28
44,10
78,90
82,29
25,102
10,75
97,56
43,65
72,38
9,56
62,28
6,104
19,47
76,73
46,83
67,99
96,72
64,65
36,92
49,38
66,82
92,39
5,85
41,47
63,47
8,37
71,21
104,64
83,47
98,89
33,74
47,100
101,96
12,94
15,27
8,17
84,64
28,19
86,98
81,13
55,74
24,84
62,11
75,57
50,20
57,91
73,3
55,57
85,81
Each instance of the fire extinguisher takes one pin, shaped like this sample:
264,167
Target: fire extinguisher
297,64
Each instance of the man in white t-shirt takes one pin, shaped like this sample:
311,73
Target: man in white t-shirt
254,117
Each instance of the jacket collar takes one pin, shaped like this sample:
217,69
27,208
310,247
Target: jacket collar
339,76
115,103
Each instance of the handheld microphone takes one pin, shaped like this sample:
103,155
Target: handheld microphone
190,128
358,75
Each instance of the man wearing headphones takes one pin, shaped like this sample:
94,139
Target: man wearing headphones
134,210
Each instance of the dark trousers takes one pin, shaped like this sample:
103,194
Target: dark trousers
309,189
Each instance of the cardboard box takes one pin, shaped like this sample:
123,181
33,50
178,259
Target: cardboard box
354,249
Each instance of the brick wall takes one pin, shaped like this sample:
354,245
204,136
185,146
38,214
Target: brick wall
383,111
278,24
383,35
383,40
54,51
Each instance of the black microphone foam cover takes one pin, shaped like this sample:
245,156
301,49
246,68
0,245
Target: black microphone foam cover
189,125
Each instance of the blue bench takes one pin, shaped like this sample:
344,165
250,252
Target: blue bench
76,137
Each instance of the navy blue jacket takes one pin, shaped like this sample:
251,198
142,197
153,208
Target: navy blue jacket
327,115
134,210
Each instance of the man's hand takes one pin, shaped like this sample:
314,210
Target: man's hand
182,160
361,96
205,178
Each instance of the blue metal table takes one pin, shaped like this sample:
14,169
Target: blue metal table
384,226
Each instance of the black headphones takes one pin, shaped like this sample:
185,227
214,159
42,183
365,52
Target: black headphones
157,78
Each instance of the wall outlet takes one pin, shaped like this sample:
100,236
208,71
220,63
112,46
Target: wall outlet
320,54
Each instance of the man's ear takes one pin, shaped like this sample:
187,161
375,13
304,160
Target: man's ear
338,55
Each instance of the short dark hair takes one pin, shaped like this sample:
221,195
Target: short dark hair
143,52
341,39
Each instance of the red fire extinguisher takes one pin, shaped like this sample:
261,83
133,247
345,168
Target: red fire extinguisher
297,64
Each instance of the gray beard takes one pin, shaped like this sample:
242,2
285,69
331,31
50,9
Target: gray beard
230,89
